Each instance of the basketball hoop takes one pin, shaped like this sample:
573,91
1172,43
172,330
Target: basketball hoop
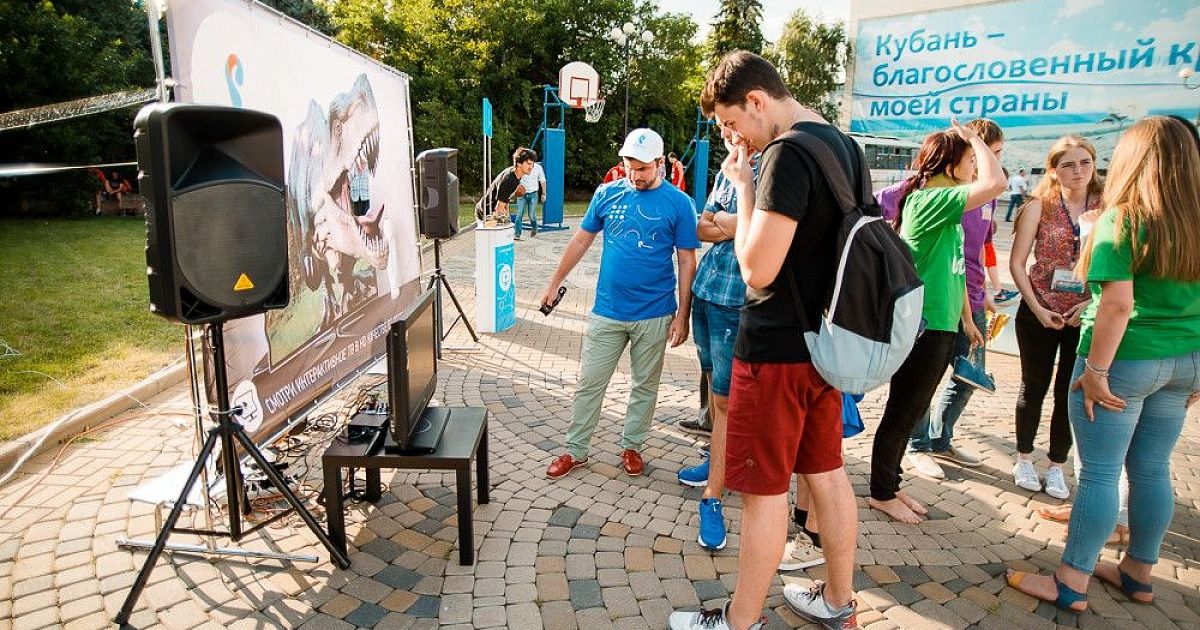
593,109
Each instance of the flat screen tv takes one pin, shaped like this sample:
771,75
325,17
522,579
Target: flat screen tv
412,368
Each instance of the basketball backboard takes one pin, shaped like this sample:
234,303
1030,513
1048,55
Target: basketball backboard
578,84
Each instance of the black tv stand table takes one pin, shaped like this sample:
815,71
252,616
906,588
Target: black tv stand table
465,439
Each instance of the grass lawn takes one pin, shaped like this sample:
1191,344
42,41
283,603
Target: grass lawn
75,324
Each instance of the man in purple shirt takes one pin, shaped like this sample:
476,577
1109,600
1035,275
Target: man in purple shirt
932,435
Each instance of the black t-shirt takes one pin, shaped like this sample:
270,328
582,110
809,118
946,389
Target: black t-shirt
502,188
791,183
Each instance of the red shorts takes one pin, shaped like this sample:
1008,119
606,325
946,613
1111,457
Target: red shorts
989,255
783,419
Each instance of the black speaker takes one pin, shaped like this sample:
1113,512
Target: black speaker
216,223
438,192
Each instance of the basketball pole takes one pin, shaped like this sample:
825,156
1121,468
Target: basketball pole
695,159
553,154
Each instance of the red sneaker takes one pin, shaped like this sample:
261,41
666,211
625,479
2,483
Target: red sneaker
563,465
631,461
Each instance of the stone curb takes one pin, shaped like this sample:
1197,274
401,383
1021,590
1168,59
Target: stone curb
92,415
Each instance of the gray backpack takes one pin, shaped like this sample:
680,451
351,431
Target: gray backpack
873,315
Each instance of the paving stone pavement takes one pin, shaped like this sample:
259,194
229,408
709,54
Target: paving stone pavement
597,549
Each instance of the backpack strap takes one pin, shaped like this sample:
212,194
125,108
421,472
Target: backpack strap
834,172
833,169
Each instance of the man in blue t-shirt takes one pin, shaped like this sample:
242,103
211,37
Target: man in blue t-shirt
645,221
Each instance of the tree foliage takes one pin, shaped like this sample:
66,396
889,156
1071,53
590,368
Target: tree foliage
811,57
310,12
59,50
459,51
738,25
456,52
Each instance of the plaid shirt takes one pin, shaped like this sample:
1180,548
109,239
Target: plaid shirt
718,278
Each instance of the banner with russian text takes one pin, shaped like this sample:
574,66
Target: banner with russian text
354,262
1039,68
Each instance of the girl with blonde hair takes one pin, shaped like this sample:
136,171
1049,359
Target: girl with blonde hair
1052,226
1138,365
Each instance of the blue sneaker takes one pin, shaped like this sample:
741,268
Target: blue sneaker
696,476
712,525
969,373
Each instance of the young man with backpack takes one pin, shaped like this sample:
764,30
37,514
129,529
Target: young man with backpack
783,416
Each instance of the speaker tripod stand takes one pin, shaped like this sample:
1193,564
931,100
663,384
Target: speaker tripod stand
230,434
438,279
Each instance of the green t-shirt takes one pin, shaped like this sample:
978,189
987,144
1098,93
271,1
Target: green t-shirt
932,228
1166,313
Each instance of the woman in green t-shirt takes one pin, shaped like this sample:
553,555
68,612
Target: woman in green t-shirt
932,204
1138,365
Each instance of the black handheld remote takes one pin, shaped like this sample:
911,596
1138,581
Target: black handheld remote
546,308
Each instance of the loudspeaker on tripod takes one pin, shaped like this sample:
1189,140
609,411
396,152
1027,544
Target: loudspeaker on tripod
438,192
216,222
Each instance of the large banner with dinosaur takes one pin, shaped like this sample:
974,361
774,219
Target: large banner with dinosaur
354,262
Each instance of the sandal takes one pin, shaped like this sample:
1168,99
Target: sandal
1060,514
1067,596
1130,587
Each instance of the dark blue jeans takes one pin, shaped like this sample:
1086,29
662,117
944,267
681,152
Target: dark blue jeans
1014,201
954,397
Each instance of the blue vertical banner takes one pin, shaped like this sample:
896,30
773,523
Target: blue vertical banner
487,117
506,290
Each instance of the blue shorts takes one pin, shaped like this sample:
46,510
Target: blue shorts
714,329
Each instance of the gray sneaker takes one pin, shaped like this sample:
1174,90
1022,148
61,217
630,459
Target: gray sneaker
960,457
810,604
696,427
707,620
800,553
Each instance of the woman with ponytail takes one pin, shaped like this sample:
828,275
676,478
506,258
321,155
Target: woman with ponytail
932,203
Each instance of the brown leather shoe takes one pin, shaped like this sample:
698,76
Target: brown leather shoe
563,465
631,461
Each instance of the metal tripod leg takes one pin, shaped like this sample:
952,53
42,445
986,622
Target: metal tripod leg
458,307
159,543
337,554
437,281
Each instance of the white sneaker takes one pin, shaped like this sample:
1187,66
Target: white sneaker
924,465
800,553
1056,484
1026,475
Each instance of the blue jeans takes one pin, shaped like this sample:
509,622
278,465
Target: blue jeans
1143,435
1014,201
529,202
714,329
954,397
